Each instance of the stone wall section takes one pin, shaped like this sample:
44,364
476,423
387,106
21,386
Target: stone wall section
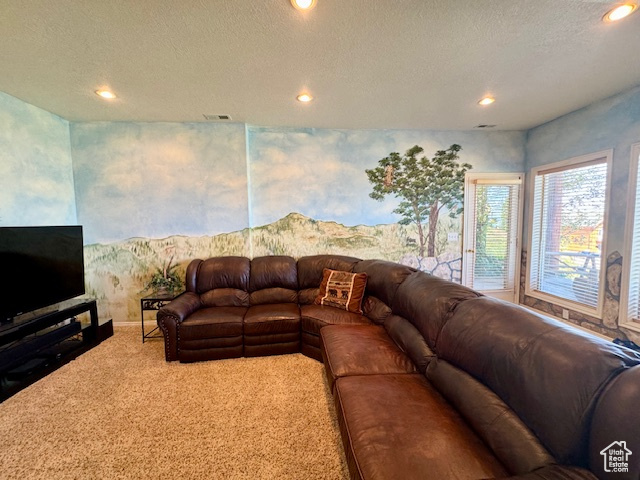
447,266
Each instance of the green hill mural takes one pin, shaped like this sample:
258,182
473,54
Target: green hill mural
116,273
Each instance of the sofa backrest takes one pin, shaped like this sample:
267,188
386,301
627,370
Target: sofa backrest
383,278
515,445
273,279
310,273
428,302
220,281
616,425
410,340
549,374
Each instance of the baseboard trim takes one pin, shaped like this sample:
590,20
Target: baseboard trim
126,324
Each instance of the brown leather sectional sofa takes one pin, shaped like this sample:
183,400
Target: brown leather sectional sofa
433,380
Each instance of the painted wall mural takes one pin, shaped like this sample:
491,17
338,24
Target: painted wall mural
150,193
322,174
36,179
154,180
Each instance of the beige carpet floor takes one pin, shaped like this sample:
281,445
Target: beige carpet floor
120,411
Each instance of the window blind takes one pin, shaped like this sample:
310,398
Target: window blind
495,219
633,307
567,229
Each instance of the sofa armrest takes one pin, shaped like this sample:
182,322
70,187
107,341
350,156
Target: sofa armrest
183,306
556,472
171,315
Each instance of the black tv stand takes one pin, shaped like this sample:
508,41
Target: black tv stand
33,345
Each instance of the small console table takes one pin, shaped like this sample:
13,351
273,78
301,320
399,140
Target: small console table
154,301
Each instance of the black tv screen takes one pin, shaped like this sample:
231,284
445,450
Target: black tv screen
40,266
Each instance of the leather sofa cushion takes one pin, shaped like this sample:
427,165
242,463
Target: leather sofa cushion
273,295
272,319
212,322
314,317
272,339
400,427
307,296
277,348
222,272
537,366
558,472
616,419
225,297
375,309
273,272
209,343
361,350
500,428
310,268
428,302
384,277
410,341
310,339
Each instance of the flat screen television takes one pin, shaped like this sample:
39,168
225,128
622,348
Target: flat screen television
39,267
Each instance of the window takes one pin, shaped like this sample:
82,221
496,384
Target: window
568,215
630,298
491,238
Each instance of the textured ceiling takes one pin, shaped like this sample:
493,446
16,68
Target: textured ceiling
409,64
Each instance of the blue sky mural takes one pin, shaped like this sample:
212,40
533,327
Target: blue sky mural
155,180
36,180
321,173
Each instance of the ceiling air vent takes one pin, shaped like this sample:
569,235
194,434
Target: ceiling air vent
216,118
484,126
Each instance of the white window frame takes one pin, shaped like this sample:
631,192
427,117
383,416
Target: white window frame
624,320
468,236
556,300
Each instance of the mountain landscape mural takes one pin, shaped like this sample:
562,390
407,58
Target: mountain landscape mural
117,273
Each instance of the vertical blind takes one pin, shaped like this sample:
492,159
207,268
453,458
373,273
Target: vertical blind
633,307
495,223
567,228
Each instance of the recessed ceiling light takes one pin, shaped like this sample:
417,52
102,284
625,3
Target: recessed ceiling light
619,12
106,94
303,4
487,101
304,97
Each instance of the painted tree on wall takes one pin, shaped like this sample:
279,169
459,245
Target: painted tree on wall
425,186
